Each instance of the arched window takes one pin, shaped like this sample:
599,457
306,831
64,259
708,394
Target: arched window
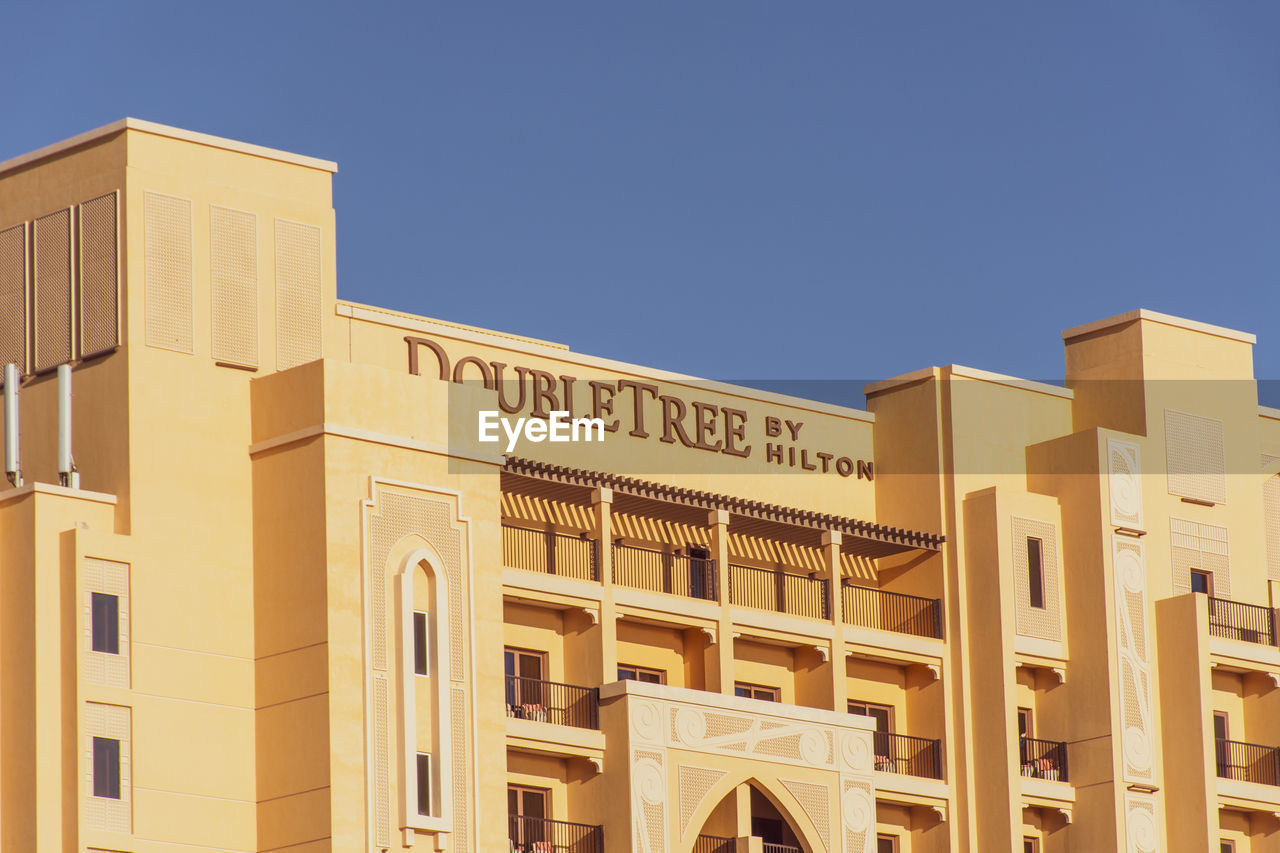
422,614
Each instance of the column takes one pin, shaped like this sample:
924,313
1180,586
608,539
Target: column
831,540
602,511
719,656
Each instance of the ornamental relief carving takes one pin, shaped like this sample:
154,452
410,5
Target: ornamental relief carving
763,737
843,816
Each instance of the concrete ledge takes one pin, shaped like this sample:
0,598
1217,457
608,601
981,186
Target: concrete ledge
783,626
60,491
573,591
1248,796
556,740
660,603
1046,792
1249,657
912,791
724,702
912,648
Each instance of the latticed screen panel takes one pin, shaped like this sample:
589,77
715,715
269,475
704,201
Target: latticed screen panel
816,801
694,783
298,297
1133,654
381,762
1195,456
53,290
858,815
99,276
234,250
13,297
1043,622
108,721
111,578
168,263
649,800
461,824
1194,545
1271,511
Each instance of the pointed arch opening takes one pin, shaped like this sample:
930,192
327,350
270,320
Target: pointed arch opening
421,616
757,808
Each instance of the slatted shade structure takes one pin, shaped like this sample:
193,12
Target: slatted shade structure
689,507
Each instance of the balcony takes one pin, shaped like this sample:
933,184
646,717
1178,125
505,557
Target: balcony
779,591
907,755
1248,623
540,835
869,607
769,847
1043,759
714,844
1248,762
659,571
550,702
551,553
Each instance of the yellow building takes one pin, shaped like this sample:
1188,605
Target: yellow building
284,596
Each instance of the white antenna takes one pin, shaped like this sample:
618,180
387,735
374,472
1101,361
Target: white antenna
67,474
12,465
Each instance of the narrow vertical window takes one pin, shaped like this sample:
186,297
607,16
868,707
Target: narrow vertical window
106,767
106,623
1035,570
1026,727
419,642
424,783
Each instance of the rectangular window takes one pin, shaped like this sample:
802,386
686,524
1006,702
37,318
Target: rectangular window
1226,846
106,623
1202,581
886,844
424,783
526,671
627,672
1035,570
756,691
882,714
882,739
1026,725
106,767
419,642
528,810
1030,844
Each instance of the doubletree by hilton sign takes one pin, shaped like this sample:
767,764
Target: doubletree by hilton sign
692,423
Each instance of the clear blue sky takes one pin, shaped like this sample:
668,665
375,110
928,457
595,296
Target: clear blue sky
734,189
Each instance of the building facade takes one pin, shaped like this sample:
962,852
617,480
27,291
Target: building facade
285,596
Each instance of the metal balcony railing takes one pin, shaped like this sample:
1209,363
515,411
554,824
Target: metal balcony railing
1236,620
779,848
658,571
1043,759
1248,762
907,755
713,844
540,835
550,553
869,607
779,591
550,702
